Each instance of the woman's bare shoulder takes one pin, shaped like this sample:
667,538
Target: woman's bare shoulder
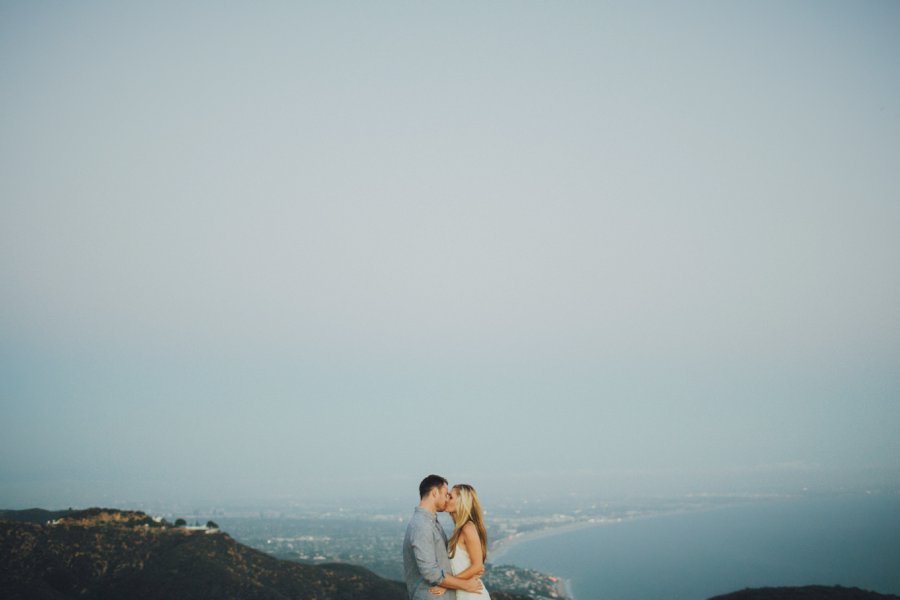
470,530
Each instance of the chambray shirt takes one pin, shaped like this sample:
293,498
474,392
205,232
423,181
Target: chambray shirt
425,560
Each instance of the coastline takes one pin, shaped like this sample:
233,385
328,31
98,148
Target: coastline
563,589
567,589
563,585
501,547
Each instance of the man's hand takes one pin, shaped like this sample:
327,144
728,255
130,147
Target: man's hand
437,591
473,585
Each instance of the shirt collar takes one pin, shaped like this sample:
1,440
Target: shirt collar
426,512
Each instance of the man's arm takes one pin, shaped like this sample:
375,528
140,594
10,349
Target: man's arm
426,560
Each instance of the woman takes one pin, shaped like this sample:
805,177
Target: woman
468,544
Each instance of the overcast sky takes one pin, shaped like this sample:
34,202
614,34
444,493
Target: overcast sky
328,248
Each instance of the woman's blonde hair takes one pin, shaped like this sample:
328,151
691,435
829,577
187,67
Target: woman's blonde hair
468,508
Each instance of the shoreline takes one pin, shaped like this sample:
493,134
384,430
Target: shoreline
567,589
504,545
564,585
571,556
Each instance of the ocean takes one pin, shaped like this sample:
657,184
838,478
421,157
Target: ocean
849,540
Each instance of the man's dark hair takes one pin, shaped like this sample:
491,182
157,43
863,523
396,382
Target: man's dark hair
429,483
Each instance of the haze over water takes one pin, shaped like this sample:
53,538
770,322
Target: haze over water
322,250
852,541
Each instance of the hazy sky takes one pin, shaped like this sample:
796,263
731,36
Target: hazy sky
328,248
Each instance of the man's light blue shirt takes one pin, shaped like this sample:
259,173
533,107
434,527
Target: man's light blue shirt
425,560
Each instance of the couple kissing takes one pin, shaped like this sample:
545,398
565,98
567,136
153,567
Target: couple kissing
435,566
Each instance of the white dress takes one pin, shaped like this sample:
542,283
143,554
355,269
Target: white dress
459,563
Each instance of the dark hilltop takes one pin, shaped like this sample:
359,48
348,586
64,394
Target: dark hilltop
105,554
811,592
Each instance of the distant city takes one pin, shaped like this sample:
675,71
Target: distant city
372,536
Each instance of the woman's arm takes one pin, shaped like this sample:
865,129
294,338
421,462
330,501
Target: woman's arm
457,583
472,542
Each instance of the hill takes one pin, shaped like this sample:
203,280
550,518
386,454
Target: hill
811,592
105,553
33,515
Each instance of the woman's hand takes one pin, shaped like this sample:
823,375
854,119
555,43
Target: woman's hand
437,591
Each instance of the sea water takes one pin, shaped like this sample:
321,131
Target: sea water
853,541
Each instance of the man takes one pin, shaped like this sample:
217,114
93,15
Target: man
425,560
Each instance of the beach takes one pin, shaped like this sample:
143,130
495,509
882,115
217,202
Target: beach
562,586
504,545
